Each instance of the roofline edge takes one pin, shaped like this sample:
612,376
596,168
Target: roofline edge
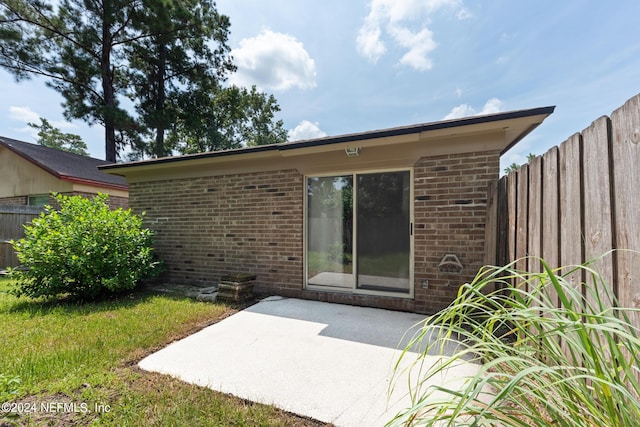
381,133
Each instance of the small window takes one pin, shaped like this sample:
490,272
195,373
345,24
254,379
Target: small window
38,200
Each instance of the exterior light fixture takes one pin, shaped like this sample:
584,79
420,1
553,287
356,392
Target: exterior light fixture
352,151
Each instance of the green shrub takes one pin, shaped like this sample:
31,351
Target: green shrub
83,249
545,355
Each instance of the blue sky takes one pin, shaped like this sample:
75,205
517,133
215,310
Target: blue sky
339,66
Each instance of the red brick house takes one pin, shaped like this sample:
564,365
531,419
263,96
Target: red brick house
392,218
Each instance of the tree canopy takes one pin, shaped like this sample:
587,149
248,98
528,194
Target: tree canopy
52,137
169,58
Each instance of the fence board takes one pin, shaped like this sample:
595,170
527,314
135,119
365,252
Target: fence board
535,215
570,160
491,234
550,249
512,206
502,224
522,216
598,233
625,123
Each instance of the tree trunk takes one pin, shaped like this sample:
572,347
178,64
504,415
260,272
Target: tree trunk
160,99
107,85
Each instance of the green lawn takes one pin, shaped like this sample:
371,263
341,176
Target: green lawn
86,354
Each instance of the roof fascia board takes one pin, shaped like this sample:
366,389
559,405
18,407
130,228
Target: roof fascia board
445,126
467,125
75,180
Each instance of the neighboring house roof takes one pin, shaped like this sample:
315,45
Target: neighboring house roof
513,126
63,165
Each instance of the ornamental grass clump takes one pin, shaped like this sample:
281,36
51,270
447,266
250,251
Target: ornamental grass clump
83,249
548,353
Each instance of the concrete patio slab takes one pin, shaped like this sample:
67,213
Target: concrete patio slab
327,361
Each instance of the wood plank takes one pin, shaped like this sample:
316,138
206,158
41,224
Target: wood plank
512,207
491,225
503,238
534,225
550,214
522,223
598,233
625,123
570,212
570,208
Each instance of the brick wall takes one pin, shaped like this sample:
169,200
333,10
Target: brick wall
114,201
208,227
19,200
450,194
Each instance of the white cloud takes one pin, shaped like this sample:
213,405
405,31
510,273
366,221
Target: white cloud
273,61
396,20
494,105
418,45
27,115
305,130
23,114
462,110
369,43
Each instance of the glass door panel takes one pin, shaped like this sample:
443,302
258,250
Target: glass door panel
383,231
330,231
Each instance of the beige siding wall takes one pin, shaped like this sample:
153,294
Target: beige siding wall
21,177
253,222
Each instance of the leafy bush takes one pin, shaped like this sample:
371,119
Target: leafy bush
83,249
546,355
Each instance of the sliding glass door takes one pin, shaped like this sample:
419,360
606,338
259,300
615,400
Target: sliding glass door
383,230
330,231
359,232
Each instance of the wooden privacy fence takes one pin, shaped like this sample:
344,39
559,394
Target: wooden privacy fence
12,218
575,203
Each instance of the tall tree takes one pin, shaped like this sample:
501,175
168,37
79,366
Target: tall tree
229,118
179,73
52,137
77,47
186,52
169,56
